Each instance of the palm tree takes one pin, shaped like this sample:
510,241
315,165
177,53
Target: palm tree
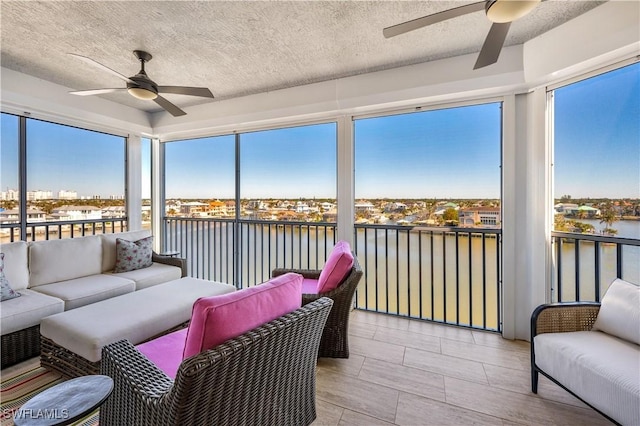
608,216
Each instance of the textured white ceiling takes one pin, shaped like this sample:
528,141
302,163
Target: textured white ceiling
237,48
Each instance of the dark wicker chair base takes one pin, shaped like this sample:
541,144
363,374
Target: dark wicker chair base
266,376
20,345
70,364
335,337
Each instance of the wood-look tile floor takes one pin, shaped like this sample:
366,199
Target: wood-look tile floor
410,372
413,373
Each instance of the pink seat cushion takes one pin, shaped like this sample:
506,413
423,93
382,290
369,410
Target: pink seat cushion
309,286
217,319
166,351
336,268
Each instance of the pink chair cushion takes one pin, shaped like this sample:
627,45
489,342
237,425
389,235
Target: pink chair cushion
217,319
309,286
166,351
336,268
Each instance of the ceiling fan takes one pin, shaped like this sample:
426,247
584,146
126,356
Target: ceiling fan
142,87
500,12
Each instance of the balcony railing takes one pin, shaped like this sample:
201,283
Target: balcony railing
586,264
449,275
36,231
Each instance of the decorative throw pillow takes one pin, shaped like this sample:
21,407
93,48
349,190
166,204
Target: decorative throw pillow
132,255
337,267
7,291
619,313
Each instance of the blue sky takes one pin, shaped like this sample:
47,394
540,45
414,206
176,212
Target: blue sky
597,136
450,153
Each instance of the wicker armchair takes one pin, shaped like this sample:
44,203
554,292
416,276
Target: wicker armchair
265,376
335,337
559,318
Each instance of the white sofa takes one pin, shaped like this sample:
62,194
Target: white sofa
593,351
58,275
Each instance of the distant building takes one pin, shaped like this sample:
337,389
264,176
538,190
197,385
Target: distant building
73,213
485,216
395,207
13,216
194,209
9,195
115,212
67,195
256,205
39,195
364,206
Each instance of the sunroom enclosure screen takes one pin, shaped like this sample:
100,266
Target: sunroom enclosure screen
239,206
596,175
428,214
60,181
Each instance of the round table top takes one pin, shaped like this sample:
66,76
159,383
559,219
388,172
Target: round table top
65,402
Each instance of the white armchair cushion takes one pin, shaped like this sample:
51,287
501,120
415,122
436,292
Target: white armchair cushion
619,313
601,369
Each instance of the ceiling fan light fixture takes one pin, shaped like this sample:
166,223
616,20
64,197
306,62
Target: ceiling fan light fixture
502,11
140,93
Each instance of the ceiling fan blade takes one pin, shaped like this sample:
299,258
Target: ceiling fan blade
432,19
95,91
182,90
102,67
492,45
169,107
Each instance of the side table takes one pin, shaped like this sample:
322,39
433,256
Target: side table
170,253
65,402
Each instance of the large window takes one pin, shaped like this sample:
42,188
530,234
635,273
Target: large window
596,175
72,175
200,177
145,148
289,174
9,175
428,214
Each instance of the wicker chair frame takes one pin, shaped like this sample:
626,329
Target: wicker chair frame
335,337
266,376
561,318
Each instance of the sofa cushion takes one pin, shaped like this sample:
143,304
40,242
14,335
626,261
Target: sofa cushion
157,273
27,310
133,255
619,313
336,268
60,260
16,264
109,246
217,319
85,290
6,292
599,368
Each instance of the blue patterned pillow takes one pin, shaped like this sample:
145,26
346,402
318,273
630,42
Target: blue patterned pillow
7,291
132,255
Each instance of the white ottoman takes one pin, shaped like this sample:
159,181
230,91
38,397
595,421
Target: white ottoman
72,341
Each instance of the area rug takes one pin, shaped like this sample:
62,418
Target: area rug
20,386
